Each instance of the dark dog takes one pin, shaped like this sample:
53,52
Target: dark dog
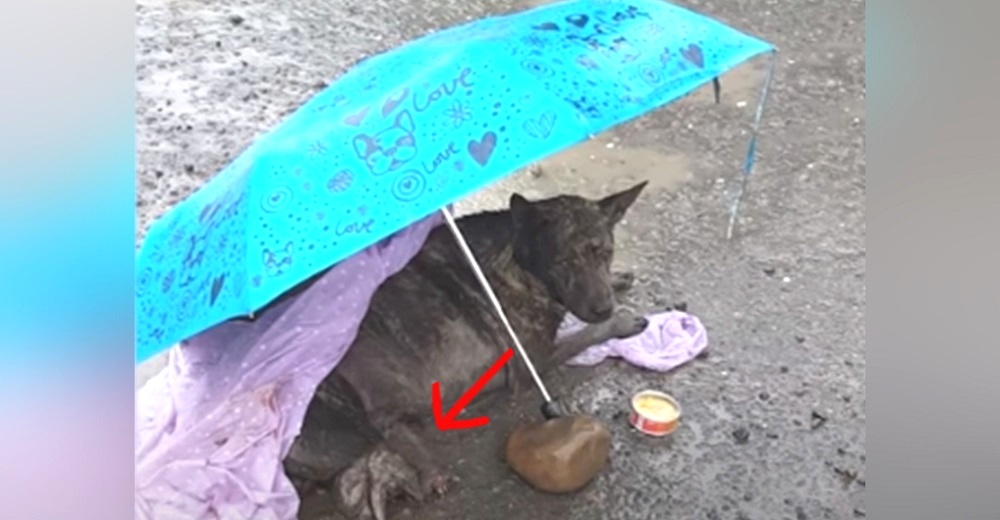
433,322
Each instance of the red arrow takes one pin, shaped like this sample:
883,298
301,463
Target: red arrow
448,421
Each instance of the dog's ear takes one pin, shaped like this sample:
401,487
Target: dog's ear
522,213
614,206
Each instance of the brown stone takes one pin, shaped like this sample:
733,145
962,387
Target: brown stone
559,455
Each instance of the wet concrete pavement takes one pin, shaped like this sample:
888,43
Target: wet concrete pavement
774,423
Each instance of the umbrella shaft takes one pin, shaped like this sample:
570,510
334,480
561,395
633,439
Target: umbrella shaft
493,299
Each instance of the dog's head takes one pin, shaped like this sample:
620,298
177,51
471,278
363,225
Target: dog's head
568,243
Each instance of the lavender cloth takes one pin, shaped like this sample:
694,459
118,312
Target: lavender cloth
213,427
671,339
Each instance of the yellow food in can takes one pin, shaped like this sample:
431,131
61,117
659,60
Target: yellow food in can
656,408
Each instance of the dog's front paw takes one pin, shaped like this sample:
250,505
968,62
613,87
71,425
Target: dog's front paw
364,490
437,483
626,325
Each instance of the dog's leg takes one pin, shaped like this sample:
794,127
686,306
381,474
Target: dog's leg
621,325
363,490
351,489
390,476
403,439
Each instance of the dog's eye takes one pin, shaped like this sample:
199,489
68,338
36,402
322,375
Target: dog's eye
599,252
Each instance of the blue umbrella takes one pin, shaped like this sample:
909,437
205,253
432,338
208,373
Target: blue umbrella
404,134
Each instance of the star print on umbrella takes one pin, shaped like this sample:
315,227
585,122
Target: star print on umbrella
458,113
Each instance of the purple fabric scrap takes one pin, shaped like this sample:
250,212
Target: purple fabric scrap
671,339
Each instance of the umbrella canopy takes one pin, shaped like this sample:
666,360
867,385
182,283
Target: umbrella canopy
407,132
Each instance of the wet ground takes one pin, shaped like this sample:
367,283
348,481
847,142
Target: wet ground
774,423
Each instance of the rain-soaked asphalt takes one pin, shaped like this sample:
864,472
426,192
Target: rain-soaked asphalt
774,423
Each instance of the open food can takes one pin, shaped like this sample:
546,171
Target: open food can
654,413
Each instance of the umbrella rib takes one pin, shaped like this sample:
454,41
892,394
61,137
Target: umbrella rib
493,299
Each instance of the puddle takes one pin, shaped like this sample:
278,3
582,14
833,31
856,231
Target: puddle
741,85
604,164
592,169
